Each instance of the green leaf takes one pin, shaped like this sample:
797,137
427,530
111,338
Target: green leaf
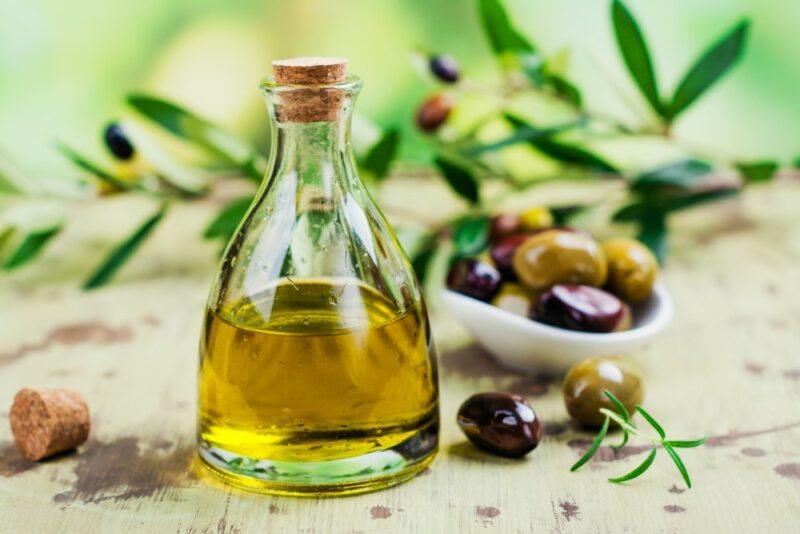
564,152
523,133
653,232
701,197
709,68
796,163
188,126
680,174
565,89
502,36
638,470
96,170
621,409
227,220
459,179
593,448
653,422
679,465
124,251
634,52
379,158
562,215
12,179
31,245
421,261
758,171
686,444
471,236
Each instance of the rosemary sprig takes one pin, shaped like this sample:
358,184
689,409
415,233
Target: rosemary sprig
623,419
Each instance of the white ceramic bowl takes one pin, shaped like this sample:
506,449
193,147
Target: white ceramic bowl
529,346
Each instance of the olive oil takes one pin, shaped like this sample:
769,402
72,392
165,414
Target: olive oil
313,371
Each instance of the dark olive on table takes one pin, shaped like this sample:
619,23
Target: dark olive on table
117,142
433,112
474,278
582,308
502,254
557,256
444,67
500,423
503,225
632,268
586,381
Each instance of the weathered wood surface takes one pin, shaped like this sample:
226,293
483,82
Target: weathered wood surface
729,367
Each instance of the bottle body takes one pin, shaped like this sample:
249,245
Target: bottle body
317,370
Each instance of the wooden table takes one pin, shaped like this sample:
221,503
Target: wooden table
728,367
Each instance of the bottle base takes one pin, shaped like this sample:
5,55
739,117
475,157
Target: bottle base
346,476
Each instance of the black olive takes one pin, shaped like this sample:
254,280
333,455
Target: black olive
583,308
500,423
117,142
502,225
475,279
502,254
444,67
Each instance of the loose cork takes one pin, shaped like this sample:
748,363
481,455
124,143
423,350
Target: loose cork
314,103
47,421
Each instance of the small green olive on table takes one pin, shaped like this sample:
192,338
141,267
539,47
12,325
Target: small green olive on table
559,256
632,268
586,381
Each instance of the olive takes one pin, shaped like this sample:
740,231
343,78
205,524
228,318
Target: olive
559,256
444,67
502,225
536,218
513,298
586,381
582,308
117,142
474,278
632,268
500,423
502,254
433,112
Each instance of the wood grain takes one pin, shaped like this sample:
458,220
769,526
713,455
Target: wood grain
729,367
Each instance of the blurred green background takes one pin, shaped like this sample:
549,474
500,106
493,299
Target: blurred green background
65,66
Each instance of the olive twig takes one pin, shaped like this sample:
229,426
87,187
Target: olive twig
623,419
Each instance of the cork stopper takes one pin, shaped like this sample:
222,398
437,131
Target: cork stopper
313,104
309,70
48,421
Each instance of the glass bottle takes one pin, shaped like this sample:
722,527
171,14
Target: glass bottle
317,369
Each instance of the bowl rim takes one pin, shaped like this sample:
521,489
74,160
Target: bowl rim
661,315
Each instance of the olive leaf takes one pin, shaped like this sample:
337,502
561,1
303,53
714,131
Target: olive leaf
460,180
380,157
471,236
653,231
565,89
96,170
523,133
12,180
709,68
502,36
123,252
758,171
227,220
30,247
188,126
635,54
680,174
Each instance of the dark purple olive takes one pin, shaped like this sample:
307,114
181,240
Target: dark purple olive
503,225
117,142
444,67
474,278
502,254
583,308
500,423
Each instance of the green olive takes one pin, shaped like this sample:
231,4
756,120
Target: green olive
586,381
632,269
560,257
